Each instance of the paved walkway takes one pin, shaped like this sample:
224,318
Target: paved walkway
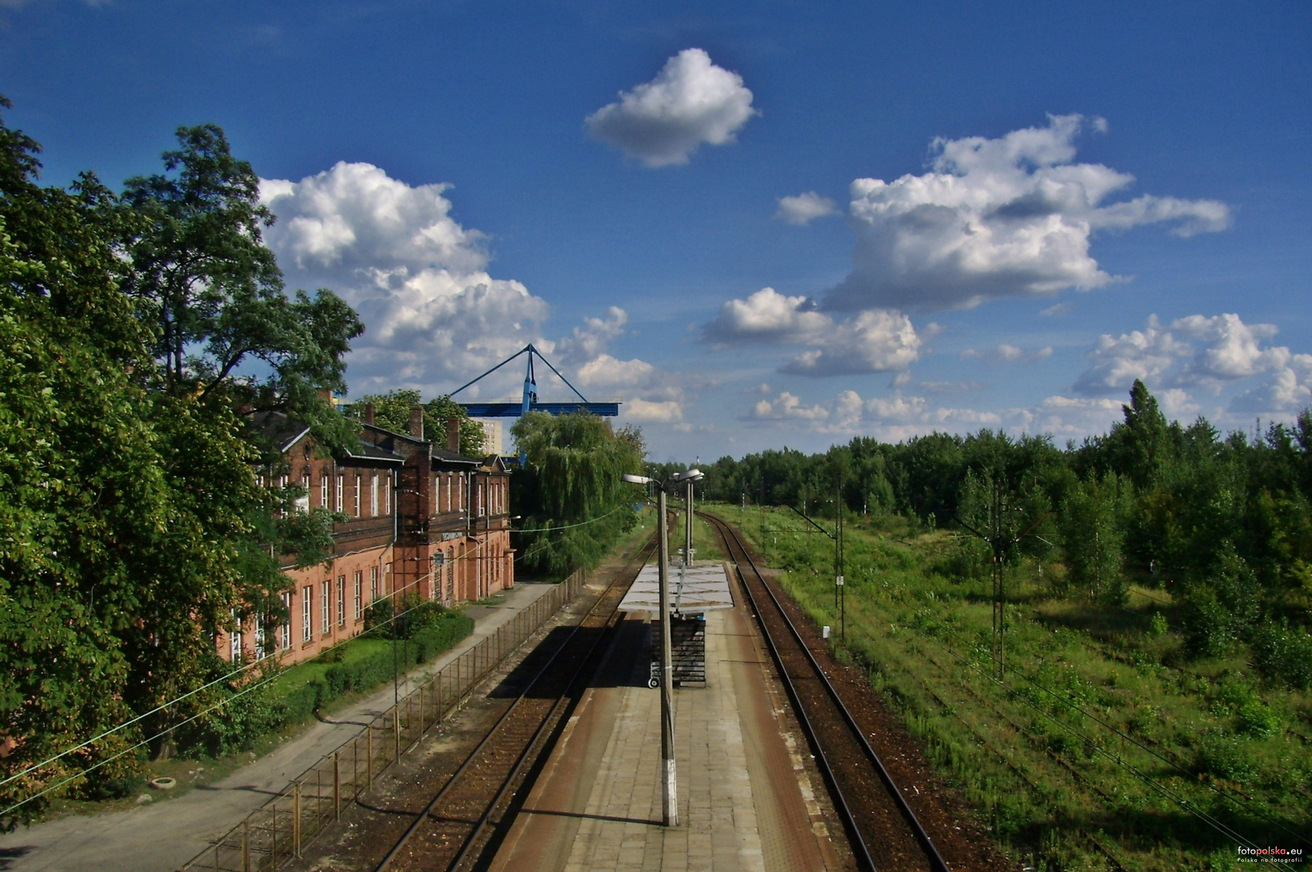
746,800
164,834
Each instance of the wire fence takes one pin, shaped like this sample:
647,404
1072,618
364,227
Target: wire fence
278,830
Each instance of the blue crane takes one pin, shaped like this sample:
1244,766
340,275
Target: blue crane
530,403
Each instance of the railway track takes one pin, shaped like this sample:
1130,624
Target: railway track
461,820
881,825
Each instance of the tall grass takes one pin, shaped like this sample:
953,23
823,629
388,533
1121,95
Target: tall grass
1103,746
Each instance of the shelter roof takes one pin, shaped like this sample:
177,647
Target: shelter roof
701,587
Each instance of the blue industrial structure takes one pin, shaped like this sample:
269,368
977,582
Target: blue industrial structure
530,403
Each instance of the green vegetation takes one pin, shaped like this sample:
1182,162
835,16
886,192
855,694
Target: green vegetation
132,524
1107,744
570,491
1155,708
392,412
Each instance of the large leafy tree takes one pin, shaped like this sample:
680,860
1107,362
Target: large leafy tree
392,412
132,527
86,512
213,295
570,490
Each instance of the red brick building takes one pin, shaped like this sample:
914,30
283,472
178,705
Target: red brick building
420,519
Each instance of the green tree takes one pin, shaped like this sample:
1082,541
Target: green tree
213,295
132,527
392,412
1092,539
570,489
84,504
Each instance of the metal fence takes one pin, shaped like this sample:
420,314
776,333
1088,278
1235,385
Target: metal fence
278,830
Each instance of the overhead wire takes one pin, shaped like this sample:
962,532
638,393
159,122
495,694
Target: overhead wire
244,667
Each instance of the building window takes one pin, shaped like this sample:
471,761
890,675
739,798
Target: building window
373,584
355,498
236,640
450,575
373,494
359,594
337,498
325,607
261,649
285,630
307,623
341,600
323,491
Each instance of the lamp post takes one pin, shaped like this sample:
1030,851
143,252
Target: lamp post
671,793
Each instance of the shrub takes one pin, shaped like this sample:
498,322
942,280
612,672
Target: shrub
1227,758
1283,653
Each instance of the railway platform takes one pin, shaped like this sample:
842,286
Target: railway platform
747,797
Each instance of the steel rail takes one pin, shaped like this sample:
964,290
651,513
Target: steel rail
734,543
549,720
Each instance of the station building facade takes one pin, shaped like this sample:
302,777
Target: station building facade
421,520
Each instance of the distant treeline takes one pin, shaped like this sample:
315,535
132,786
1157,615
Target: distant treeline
1223,523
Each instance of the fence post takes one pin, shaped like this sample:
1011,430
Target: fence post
273,826
246,845
337,785
396,732
296,818
369,753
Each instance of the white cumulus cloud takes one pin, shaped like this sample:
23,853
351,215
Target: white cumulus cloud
877,340
690,102
767,316
419,280
805,208
1005,217
1208,352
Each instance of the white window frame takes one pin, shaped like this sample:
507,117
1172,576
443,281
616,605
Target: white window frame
359,594
235,640
261,650
285,631
307,613
341,600
326,606
337,499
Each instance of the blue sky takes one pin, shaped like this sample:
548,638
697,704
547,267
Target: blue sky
788,224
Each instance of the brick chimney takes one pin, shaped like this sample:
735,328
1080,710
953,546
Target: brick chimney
417,422
369,413
453,435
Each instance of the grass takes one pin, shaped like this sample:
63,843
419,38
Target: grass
1102,747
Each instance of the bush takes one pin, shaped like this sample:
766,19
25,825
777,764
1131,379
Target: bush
402,619
251,713
1283,653
1227,758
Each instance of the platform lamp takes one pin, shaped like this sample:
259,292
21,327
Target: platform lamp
671,793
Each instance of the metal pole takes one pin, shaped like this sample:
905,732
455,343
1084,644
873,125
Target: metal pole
687,539
671,796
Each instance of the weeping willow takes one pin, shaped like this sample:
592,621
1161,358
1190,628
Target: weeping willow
570,492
